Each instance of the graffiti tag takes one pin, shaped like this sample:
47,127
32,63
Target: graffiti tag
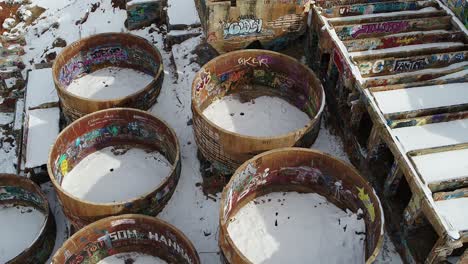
245,26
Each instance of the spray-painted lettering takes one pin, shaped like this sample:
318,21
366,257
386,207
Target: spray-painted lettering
245,26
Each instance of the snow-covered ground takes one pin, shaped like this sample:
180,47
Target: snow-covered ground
189,209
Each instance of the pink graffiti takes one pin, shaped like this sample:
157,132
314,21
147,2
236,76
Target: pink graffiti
385,27
205,78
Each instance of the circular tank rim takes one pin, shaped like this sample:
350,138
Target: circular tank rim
224,231
63,89
69,127
131,216
276,137
19,180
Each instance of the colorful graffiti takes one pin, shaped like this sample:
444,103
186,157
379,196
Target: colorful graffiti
242,27
203,80
409,65
105,245
460,8
384,27
79,65
255,61
364,9
367,203
76,149
18,193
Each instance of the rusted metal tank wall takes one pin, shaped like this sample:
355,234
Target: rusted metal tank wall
108,128
234,24
21,191
301,170
127,233
100,51
286,78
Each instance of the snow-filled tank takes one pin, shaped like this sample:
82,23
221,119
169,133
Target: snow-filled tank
297,205
250,101
27,225
112,162
107,70
128,238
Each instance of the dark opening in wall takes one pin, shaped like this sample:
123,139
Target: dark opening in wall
233,3
324,62
364,130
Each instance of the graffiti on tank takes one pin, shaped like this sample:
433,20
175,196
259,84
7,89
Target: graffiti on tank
73,152
242,27
409,65
104,246
254,61
79,65
384,27
367,203
203,80
18,193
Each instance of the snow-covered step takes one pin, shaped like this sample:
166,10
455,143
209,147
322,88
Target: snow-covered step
454,212
425,97
42,130
432,173
40,90
432,135
182,12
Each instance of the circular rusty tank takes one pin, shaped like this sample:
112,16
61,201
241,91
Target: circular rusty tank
124,234
113,127
284,76
101,51
15,190
304,171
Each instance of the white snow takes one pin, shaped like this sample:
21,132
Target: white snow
455,212
132,257
8,156
423,97
19,227
43,129
40,88
296,228
434,46
104,177
430,169
6,118
182,12
265,116
433,135
109,83
10,82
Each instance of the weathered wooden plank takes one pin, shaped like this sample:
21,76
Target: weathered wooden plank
332,3
393,64
393,180
347,32
373,8
450,195
411,77
419,84
427,116
403,40
386,18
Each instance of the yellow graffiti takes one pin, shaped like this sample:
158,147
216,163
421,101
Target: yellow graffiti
64,167
367,202
406,41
